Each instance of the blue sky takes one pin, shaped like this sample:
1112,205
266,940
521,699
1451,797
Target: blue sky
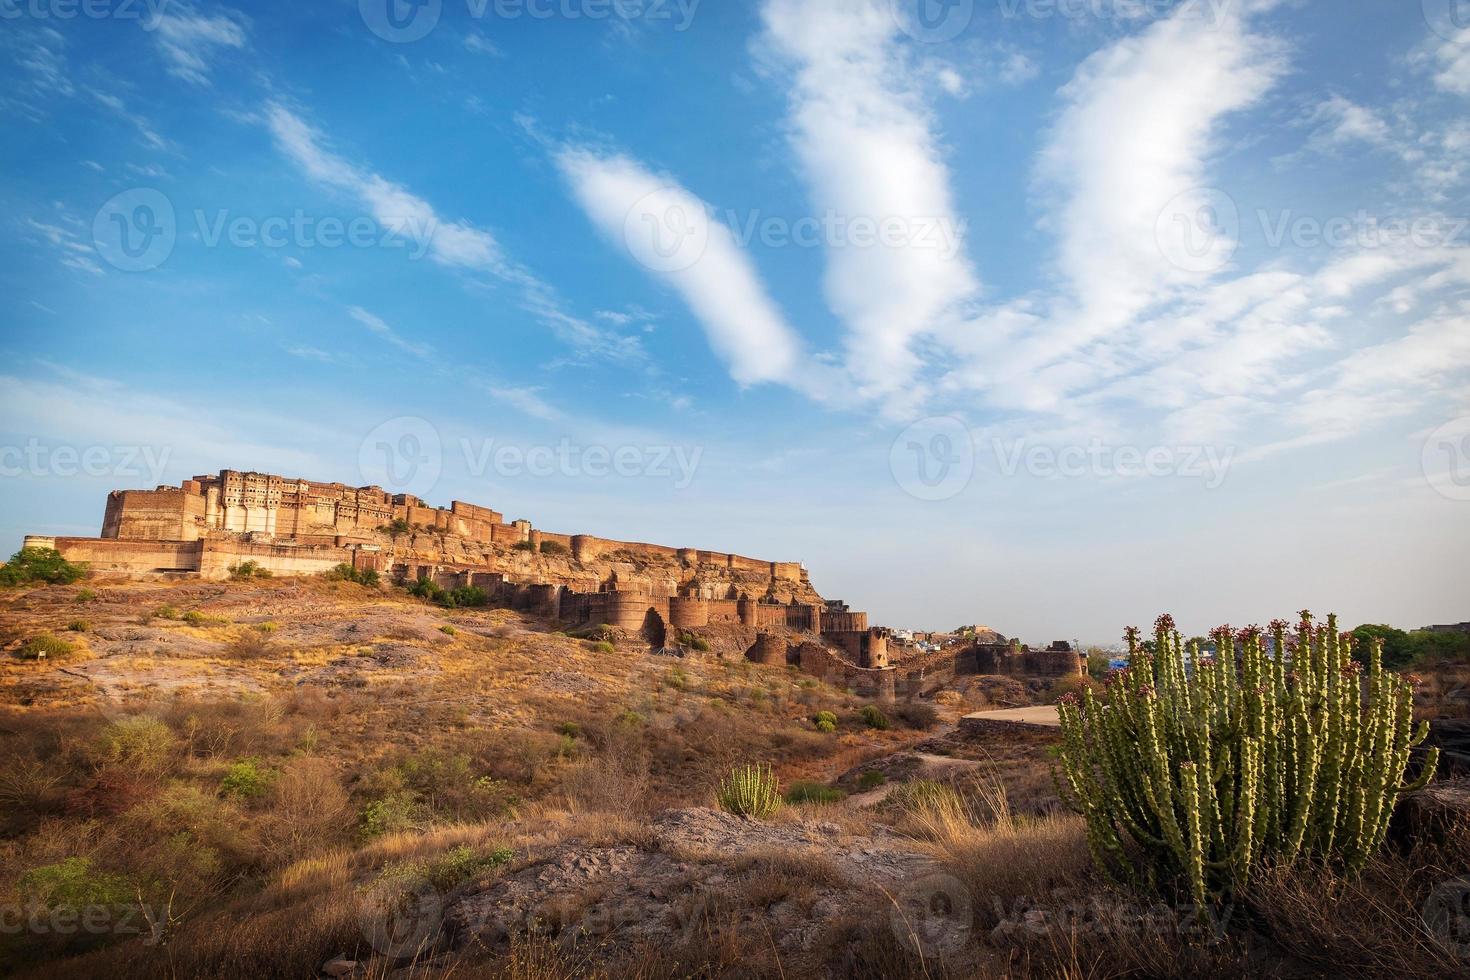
1048,315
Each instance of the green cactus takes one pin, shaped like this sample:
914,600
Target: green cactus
750,791
1210,765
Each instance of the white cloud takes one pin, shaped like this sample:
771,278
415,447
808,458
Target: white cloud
455,244
1452,70
868,151
1141,120
189,40
720,284
380,327
480,44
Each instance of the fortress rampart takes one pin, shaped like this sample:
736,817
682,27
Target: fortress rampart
209,524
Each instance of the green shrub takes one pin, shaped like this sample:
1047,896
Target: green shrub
604,647
246,779
166,612
464,863
74,885
29,565
874,717
45,646
78,626
267,628
346,573
86,595
750,791
196,618
810,791
425,588
1211,768
554,548
448,630
826,721
523,546
570,729
247,570
394,812
139,742
693,641
872,779
464,596
396,527
677,678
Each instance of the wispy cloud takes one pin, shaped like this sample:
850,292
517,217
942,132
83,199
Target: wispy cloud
653,218
457,245
868,150
188,40
380,327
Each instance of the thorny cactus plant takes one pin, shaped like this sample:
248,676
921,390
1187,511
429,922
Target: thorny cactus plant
1212,765
750,791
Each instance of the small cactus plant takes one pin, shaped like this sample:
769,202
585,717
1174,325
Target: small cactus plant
1209,765
750,791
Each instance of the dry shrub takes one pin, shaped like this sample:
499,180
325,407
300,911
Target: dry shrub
249,645
314,876
309,810
1001,857
1372,925
613,783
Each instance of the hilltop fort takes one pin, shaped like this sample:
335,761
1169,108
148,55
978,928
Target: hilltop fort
209,525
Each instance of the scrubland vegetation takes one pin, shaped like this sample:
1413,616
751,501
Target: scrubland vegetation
256,778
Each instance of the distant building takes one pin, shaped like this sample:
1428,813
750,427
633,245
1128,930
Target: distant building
1451,628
